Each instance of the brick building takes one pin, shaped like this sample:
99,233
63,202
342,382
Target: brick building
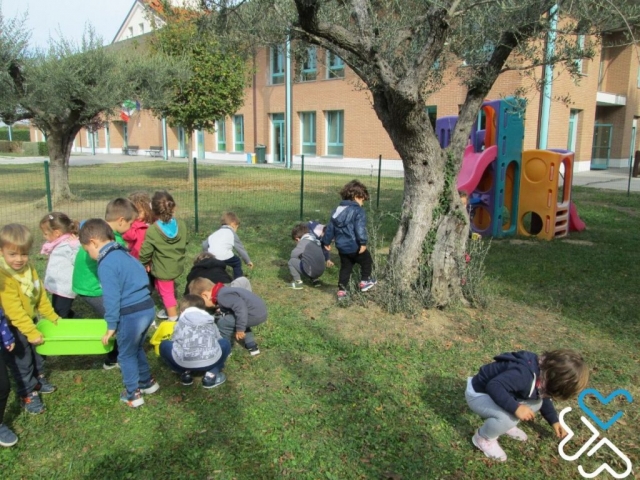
333,121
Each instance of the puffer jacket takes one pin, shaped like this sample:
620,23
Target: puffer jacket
348,227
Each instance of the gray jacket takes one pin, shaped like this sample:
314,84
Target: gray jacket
195,339
309,251
248,308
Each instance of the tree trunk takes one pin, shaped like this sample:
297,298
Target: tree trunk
189,140
59,144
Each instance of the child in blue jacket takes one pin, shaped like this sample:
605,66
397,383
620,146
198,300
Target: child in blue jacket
348,227
515,386
129,309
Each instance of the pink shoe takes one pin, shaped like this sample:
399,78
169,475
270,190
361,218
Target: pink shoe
490,448
517,434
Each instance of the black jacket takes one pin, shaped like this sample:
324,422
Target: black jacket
211,268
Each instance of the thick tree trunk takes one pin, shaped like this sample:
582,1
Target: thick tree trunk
59,144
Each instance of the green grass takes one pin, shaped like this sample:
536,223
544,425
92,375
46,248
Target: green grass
352,393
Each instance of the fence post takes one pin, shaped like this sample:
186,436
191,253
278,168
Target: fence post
301,186
47,183
195,193
378,191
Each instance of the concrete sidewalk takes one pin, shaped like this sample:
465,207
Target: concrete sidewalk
612,179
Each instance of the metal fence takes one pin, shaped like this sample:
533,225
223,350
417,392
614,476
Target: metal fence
257,193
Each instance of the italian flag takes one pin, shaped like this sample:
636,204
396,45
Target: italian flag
127,107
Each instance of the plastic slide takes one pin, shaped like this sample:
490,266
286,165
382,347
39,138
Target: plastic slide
473,166
575,222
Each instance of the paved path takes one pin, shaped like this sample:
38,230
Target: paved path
613,178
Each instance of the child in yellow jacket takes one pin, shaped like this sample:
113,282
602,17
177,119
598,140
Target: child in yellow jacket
23,297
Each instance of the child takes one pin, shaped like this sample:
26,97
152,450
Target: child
317,230
129,309
196,345
515,386
7,437
222,242
62,246
120,214
135,235
206,265
23,298
348,227
241,310
307,258
164,249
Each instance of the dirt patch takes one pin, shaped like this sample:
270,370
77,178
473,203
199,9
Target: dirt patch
579,242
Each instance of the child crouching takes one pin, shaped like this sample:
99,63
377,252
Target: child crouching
516,386
196,345
129,309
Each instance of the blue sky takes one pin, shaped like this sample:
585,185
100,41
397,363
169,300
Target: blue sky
49,17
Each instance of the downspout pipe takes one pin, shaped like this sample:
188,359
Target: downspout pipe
288,106
548,79
165,153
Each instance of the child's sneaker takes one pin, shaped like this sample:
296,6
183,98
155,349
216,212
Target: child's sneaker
109,365
296,285
7,437
162,314
517,434
211,380
367,285
186,379
316,282
253,349
133,400
32,403
44,386
342,295
150,386
490,448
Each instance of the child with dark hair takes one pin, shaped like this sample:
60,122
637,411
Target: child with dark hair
348,227
196,345
7,437
119,215
205,265
23,300
61,235
225,240
163,251
307,258
136,234
517,385
129,309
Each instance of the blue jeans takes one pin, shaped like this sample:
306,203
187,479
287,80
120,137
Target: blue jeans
131,334
215,368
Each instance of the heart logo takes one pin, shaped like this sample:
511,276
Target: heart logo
604,401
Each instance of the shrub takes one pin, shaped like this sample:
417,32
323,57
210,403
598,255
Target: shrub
17,134
43,149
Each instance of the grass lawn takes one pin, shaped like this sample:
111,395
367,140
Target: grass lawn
353,393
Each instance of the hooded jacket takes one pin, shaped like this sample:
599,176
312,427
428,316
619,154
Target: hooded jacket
211,268
164,247
309,251
85,272
348,226
248,309
135,237
512,378
195,340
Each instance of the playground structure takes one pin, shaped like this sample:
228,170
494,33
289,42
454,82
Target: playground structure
513,191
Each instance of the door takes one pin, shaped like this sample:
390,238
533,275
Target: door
200,144
277,138
181,143
601,150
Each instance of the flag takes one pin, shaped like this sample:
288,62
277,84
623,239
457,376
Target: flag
127,106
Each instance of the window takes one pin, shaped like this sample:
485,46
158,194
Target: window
221,135
309,67
335,66
432,112
141,28
277,65
638,76
335,132
573,130
238,133
308,130
130,31
579,63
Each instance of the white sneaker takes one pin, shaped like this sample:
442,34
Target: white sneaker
517,434
490,448
296,285
162,314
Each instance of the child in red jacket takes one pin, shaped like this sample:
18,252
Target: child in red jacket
136,234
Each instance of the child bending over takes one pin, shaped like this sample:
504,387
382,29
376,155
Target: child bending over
196,345
223,241
307,258
23,298
517,385
129,309
241,310
206,265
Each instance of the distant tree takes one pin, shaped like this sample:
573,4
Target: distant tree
404,50
70,86
218,75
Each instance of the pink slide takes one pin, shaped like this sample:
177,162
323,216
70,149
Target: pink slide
473,166
575,223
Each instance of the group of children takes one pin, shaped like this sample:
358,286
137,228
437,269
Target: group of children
140,245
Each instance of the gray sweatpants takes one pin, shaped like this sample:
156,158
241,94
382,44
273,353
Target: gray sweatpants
241,282
497,421
227,326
